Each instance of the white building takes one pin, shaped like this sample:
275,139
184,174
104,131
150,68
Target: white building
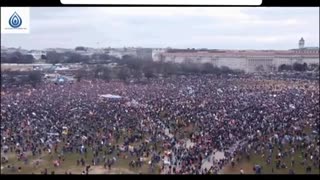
306,50
249,61
59,50
157,54
89,51
37,55
120,52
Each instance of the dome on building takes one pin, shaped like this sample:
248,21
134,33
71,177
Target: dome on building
301,43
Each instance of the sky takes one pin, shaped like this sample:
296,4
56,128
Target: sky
175,27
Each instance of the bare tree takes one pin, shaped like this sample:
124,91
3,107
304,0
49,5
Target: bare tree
35,77
123,73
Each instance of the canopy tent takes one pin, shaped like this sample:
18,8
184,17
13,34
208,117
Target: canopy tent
110,96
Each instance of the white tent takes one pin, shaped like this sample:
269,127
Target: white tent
53,134
110,96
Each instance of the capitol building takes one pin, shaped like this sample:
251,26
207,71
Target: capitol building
247,60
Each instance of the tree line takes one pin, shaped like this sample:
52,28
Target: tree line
298,67
131,67
138,65
9,78
54,57
17,57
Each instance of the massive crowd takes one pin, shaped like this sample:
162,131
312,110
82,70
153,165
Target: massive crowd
176,123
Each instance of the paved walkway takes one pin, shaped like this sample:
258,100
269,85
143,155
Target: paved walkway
212,160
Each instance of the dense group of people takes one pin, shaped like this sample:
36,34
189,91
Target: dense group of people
178,124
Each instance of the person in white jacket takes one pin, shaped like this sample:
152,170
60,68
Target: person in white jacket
241,171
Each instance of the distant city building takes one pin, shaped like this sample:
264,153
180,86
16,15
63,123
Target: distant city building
120,52
37,55
247,60
157,54
59,50
144,53
88,51
305,50
140,53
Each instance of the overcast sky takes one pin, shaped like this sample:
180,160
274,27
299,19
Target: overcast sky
177,27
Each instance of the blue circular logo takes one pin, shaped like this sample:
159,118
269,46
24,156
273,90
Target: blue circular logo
15,20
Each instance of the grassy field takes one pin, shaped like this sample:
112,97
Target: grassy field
247,165
122,165
70,164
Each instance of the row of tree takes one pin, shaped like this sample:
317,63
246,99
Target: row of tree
129,67
168,68
54,57
21,77
298,67
147,66
16,57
